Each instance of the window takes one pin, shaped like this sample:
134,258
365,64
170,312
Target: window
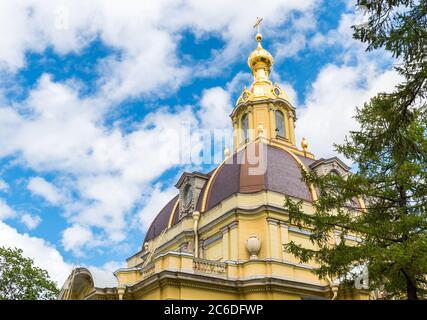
245,127
280,124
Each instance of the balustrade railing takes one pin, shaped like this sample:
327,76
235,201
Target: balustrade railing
209,266
147,271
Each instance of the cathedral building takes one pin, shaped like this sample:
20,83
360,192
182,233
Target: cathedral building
223,235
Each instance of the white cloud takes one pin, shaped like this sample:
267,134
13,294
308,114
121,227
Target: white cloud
76,237
44,254
57,130
154,201
6,212
3,185
236,85
30,221
145,33
326,115
291,48
107,169
294,38
342,37
103,275
45,189
216,106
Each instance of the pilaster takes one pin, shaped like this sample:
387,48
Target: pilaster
234,241
273,231
225,244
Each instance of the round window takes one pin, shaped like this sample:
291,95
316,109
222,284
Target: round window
276,91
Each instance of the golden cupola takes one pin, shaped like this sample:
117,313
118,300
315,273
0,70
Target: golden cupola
264,109
260,62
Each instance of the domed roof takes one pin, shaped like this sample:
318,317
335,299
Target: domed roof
260,62
161,221
260,55
278,171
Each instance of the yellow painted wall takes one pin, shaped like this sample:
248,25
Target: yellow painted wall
271,227
214,251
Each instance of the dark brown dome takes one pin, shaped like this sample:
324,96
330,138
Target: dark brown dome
282,174
161,221
279,172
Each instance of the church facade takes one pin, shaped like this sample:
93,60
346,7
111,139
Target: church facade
223,235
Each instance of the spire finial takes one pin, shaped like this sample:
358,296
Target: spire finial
260,60
257,25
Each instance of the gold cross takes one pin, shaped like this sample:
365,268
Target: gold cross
257,23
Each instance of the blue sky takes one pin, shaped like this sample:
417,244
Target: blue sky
93,93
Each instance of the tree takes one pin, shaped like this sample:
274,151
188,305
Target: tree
390,154
21,280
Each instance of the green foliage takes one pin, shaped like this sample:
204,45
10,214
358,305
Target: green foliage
390,153
21,280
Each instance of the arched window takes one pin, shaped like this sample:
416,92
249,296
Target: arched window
245,127
280,124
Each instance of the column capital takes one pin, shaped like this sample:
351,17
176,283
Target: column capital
224,230
233,225
229,227
284,224
273,221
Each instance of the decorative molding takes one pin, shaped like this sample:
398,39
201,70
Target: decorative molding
273,221
299,231
229,227
224,230
183,234
195,181
334,164
187,185
347,237
233,225
352,238
219,283
212,239
172,215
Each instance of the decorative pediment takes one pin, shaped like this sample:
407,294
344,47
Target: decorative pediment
325,166
190,186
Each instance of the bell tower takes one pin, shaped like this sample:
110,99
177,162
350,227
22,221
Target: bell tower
263,109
